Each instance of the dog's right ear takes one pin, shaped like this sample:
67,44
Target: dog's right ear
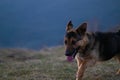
82,29
69,26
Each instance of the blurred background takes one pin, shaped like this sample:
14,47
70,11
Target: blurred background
36,24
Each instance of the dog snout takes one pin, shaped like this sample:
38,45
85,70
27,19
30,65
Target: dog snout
69,52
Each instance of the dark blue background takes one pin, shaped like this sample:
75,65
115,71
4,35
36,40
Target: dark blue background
38,23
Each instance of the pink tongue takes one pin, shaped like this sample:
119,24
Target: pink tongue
70,58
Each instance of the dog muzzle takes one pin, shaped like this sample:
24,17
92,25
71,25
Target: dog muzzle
71,55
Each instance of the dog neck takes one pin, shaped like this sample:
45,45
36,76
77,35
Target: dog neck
89,46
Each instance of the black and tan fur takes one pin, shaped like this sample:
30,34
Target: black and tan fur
93,47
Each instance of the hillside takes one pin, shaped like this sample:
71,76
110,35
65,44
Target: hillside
49,64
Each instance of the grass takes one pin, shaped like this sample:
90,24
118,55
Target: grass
49,64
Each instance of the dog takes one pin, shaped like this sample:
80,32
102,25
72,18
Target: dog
90,47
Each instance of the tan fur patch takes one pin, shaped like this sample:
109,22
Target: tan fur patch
83,42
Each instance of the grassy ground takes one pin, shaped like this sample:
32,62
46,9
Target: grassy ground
49,64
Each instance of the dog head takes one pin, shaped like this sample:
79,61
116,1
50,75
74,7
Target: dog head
75,38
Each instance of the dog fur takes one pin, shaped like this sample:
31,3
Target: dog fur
94,47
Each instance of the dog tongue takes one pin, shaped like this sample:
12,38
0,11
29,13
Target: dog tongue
70,58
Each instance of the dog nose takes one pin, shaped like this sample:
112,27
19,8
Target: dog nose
67,52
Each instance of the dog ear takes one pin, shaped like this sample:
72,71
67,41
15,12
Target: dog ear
82,29
69,26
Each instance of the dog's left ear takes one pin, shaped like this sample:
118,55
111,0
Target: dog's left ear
82,29
69,26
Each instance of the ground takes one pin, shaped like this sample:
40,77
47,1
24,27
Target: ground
49,64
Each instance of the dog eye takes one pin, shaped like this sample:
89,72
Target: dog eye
73,42
65,42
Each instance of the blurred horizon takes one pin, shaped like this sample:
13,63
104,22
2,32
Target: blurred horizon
39,23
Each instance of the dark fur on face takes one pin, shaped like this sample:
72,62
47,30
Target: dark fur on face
70,41
72,37
71,34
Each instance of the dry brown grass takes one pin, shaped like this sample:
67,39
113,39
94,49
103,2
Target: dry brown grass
49,64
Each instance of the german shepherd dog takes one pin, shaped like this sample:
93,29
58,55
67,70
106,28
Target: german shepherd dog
89,48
